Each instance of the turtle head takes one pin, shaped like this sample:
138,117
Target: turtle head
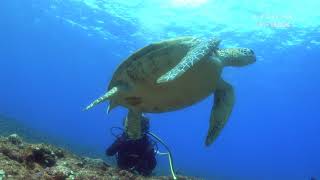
236,56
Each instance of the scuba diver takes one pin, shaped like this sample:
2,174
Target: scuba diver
135,154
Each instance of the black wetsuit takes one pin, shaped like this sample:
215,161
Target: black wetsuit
137,155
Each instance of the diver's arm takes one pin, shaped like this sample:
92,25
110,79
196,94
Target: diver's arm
115,147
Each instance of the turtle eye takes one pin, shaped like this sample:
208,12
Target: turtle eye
215,52
247,52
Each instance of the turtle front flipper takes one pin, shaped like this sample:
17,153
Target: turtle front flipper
192,57
221,110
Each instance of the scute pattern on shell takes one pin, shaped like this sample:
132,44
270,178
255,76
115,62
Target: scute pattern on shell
138,70
201,49
135,71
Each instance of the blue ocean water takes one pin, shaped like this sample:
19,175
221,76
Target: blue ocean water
57,56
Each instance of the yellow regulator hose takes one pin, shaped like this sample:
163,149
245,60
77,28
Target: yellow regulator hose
168,153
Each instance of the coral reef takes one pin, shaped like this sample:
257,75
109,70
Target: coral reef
22,160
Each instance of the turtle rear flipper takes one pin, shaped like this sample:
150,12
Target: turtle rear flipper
221,110
111,93
192,57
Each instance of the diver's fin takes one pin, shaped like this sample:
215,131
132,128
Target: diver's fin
112,92
133,126
192,57
221,110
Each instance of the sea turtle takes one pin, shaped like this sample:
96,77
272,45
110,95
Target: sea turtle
174,74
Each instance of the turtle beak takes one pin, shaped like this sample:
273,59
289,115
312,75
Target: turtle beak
250,54
253,55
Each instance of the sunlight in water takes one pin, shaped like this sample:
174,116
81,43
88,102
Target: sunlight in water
188,3
261,21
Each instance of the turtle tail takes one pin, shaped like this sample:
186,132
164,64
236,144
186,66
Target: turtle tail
112,92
